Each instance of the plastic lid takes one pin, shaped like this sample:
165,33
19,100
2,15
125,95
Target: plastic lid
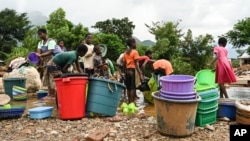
40,109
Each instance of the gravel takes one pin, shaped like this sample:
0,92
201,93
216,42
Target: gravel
125,128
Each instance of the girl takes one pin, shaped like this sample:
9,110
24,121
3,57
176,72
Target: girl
224,71
131,64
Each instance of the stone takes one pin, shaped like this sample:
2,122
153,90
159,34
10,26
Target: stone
98,135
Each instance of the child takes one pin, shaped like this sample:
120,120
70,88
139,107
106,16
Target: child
98,61
131,64
224,72
144,60
60,63
88,59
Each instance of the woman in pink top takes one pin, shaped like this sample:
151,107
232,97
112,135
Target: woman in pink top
224,70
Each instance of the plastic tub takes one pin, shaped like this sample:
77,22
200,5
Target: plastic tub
227,109
177,96
207,104
209,94
206,77
71,95
177,83
33,58
175,117
41,94
103,96
10,82
13,112
206,117
40,112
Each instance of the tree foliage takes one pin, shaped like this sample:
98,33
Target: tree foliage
123,28
13,27
198,51
167,35
239,36
113,42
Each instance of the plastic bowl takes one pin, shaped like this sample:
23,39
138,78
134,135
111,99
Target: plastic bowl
33,58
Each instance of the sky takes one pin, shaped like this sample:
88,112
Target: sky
201,16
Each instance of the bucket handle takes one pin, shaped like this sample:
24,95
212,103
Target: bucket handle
109,87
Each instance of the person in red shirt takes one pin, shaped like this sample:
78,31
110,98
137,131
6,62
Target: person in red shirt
131,64
144,60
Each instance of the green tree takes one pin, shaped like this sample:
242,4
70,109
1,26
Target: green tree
123,28
167,35
198,51
113,42
13,27
239,36
61,28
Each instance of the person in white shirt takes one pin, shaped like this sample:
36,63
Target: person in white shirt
88,59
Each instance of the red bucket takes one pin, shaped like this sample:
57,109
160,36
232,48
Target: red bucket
71,95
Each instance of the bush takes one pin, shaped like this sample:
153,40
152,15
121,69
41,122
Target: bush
17,52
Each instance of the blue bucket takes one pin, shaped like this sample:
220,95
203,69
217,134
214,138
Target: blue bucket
103,96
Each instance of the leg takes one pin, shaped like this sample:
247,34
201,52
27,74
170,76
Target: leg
223,91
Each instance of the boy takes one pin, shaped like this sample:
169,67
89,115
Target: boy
61,62
99,64
131,65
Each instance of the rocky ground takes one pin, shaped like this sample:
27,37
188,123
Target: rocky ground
119,128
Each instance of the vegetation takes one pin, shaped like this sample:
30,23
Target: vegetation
187,54
13,27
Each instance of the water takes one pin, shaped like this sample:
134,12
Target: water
239,93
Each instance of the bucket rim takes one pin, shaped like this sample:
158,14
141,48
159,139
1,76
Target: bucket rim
192,78
107,80
15,78
176,101
178,93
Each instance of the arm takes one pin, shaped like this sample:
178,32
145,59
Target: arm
215,58
78,66
138,69
65,68
144,65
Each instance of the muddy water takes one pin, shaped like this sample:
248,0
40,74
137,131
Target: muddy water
32,101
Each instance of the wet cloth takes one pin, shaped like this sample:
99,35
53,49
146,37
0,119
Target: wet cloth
224,71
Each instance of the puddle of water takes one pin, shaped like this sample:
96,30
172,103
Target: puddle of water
239,93
32,102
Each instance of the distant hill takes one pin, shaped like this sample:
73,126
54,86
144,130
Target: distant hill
148,43
37,18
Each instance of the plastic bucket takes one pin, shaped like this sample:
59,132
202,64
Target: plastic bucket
175,117
33,58
177,96
10,82
103,96
177,83
206,77
227,109
71,94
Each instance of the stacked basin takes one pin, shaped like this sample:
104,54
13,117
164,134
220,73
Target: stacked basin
207,89
176,105
177,87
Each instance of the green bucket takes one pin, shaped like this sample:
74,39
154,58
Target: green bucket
205,80
10,82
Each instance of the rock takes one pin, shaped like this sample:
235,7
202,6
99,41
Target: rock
147,134
53,132
112,134
210,127
98,135
117,125
133,139
8,126
40,131
26,131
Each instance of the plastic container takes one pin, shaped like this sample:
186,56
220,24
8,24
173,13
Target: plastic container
205,80
207,104
103,96
209,94
177,96
33,58
206,117
40,112
71,95
10,82
227,109
175,117
177,83
13,112
41,94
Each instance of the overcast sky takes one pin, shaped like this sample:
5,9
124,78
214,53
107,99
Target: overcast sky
201,16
